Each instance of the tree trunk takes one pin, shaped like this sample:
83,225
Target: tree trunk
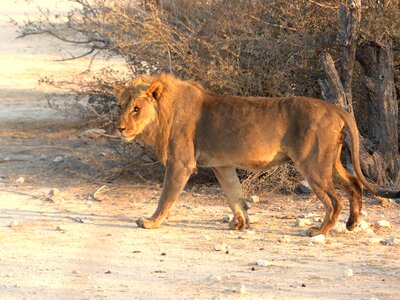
349,19
379,158
382,109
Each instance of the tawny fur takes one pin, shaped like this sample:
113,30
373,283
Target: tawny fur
191,127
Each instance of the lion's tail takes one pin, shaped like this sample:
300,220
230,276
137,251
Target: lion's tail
355,149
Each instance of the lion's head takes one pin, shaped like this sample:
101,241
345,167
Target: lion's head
138,106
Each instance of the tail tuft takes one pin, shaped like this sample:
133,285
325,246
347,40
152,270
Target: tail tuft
388,194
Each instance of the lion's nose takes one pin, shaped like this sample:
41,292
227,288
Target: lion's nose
121,129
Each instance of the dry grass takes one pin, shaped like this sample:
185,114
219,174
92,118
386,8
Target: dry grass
264,48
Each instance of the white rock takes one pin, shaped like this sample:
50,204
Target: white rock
369,231
363,225
348,273
382,223
253,199
54,192
13,223
214,278
207,237
227,219
19,180
392,241
59,228
254,219
240,290
364,213
303,222
374,241
42,157
339,227
249,232
263,263
222,247
318,239
284,239
305,216
58,159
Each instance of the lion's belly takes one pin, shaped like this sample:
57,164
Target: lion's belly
244,160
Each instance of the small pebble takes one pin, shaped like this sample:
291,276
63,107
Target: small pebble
369,231
318,239
58,159
214,278
392,241
58,228
227,219
42,157
254,199
222,247
363,225
20,180
348,273
305,216
374,241
207,237
339,227
54,192
13,224
250,232
254,219
382,223
284,239
240,290
303,222
263,263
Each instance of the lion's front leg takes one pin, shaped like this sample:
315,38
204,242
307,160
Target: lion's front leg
175,180
230,184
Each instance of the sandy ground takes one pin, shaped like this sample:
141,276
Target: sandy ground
75,246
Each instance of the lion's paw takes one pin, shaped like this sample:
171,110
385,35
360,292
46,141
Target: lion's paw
313,231
239,223
352,223
147,223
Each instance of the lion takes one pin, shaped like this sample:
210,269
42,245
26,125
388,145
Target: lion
190,127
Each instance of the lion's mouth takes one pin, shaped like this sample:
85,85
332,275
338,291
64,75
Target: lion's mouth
127,137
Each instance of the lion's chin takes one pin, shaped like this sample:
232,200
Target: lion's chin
128,138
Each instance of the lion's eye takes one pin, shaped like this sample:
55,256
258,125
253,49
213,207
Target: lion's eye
136,109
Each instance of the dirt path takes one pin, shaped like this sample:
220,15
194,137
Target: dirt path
70,246
75,246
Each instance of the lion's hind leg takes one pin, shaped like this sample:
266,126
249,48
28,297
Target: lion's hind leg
353,187
230,184
333,206
317,168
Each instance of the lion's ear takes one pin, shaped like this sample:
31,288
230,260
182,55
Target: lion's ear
119,89
156,89
138,81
